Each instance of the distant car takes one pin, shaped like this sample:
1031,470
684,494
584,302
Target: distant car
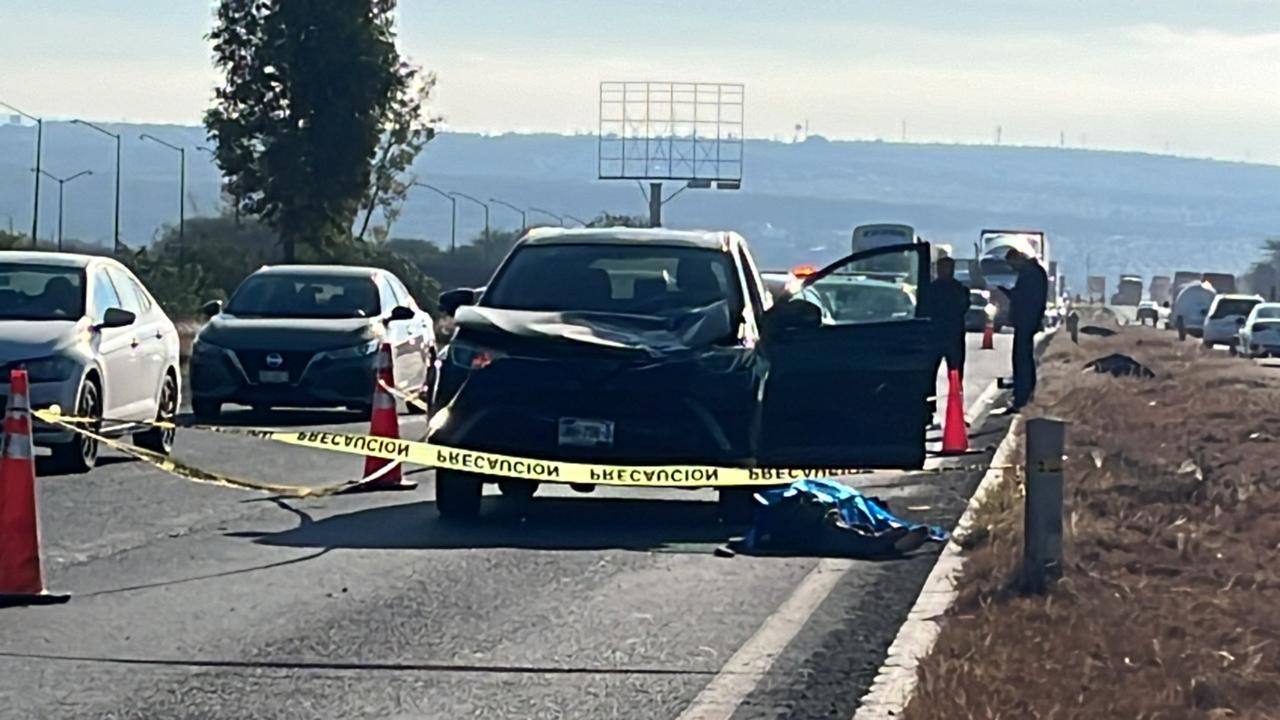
1190,309
1260,334
94,342
308,336
656,347
981,312
1226,316
1148,311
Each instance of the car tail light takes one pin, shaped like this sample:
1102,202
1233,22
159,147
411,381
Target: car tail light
472,357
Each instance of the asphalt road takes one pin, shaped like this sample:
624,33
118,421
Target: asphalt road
191,601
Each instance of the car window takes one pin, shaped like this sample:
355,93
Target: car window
633,279
398,291
386,295
760,299
1268,313
41,292
879,288
282,295
1227,307
105,296
131,296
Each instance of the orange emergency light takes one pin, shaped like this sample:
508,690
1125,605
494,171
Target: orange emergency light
801,271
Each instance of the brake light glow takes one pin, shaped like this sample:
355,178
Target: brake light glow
482,359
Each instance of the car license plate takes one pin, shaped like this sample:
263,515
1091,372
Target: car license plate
586,433
273,376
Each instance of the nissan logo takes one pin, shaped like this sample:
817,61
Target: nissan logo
274,360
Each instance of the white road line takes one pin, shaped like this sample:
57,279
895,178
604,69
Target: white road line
744,670
740,675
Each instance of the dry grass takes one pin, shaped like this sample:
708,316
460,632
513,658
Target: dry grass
1171,603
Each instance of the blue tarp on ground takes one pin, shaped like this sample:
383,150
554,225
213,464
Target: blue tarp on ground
824,517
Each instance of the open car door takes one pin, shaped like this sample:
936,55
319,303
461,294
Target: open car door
851,365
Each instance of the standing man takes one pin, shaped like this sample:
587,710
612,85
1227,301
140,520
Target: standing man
950,303
1027,301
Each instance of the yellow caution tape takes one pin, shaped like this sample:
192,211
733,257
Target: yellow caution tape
194,474
495,464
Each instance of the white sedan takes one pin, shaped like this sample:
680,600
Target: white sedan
1260,334
94,342
1226,316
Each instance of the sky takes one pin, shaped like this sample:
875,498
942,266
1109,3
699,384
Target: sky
1188,77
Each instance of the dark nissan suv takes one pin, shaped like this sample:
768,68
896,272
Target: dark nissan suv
646,347
308,336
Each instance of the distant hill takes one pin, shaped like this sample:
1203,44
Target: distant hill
1124,212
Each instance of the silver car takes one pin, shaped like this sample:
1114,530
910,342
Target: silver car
94,342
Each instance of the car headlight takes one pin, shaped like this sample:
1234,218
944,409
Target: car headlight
356,351
49,369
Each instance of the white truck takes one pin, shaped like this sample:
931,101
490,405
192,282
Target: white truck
993,245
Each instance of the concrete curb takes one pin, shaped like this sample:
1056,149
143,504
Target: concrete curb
896,682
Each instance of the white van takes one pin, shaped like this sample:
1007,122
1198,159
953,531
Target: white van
1190,309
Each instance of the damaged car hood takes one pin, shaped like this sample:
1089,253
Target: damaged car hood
653,335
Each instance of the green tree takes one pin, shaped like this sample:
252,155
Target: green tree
308,85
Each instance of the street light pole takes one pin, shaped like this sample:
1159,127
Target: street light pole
548,213
580,221
108,133
524,218
453,223
182,189
35,210
62,183
481,204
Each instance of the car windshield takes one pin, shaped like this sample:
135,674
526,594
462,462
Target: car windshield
631,279
41,292
1228,307
305,296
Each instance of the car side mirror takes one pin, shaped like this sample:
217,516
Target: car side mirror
116,318
1240,322
452,300
791,315
400,313
1166,304
211,308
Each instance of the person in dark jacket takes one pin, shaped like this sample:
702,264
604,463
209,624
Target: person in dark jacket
949,300
1027,302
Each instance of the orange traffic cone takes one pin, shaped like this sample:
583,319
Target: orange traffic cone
955,433
20,581
384,423
988,337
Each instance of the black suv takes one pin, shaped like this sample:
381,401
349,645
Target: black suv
647,347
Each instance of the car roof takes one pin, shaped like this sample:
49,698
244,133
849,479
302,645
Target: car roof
707,239
1238,296
35,257
318,270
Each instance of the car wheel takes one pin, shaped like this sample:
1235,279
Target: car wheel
205,409
458,495
1207,344
737,506
81,454
160,439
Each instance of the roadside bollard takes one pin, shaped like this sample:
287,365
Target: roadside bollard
1042,528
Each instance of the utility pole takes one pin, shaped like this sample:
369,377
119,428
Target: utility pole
453,222
35,210
486,212
524,216
116,221
182,189
62,183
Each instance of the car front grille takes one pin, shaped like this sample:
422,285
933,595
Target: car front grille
293,362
